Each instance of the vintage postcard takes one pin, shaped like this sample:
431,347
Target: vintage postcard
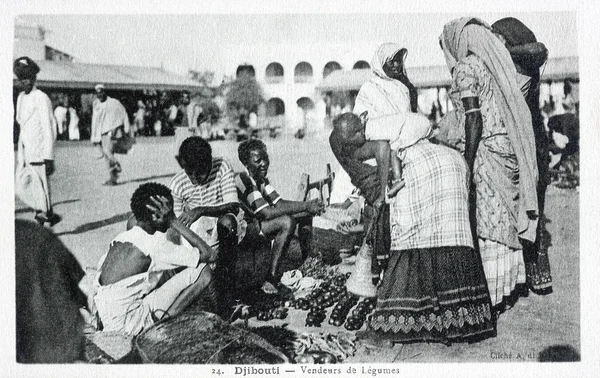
299,189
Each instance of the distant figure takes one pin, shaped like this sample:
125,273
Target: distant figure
67,120
73,122
61,113
36,139
186,119
48,298
139,118
570,102
109,122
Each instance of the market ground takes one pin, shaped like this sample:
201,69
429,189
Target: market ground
94,214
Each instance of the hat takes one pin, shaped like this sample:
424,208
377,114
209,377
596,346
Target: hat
99,86
25,68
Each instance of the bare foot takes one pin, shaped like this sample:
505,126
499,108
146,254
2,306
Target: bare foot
395,188
269,288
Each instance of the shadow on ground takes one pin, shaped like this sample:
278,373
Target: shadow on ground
143,179
28,209
559,353
98,224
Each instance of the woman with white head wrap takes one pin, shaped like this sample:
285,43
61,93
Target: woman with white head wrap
433,288
499,149
389,101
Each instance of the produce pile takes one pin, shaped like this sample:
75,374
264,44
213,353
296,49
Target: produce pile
314,267
323,348
330,292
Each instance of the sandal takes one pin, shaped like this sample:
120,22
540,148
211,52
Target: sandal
51,218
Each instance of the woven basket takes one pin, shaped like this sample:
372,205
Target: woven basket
203,338
107,347
330,242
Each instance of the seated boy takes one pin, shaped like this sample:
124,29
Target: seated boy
144,276
274,217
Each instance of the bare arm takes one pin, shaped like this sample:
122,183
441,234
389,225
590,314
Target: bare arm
163,212
380,150
189,217
473,130
284,207
207,254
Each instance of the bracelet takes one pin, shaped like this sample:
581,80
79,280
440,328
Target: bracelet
473,110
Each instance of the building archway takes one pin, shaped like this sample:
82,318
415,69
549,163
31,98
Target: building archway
303,73
361,65
274,73
330,67
305,103
245,70
275,107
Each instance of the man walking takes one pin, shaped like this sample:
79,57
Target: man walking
109,122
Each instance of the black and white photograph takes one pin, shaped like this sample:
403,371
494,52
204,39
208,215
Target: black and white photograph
299,190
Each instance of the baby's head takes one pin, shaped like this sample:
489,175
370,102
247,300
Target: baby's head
351,128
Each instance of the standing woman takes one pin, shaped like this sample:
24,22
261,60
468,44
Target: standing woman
499,150
388,91
529,55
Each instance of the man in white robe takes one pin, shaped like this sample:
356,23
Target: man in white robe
36,139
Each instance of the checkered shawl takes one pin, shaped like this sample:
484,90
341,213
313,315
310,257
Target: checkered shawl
432,210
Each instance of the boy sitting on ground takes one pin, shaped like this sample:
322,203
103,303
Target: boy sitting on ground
145,277
273,217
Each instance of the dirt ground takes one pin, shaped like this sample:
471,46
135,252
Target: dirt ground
94,214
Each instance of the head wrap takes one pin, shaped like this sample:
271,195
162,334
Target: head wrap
458,40
383,54
99,86
382,95
533,54
25,68
514,31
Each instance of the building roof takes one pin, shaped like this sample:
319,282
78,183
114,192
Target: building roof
438,76
63,74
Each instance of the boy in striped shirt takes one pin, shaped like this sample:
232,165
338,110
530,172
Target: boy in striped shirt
205,200
274,217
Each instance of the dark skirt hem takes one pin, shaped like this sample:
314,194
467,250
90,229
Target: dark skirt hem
434,295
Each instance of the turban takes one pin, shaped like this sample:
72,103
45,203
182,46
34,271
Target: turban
25,68
99,86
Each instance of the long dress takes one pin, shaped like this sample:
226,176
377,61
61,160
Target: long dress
434,287
496,180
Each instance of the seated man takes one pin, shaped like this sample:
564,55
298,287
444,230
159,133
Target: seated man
144,276
275,218
205,200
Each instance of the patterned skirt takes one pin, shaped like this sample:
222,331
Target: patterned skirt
504,269
435,294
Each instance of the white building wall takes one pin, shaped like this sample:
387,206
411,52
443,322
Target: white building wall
29,41
260,56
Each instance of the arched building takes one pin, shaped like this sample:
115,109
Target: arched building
306,85
289,75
